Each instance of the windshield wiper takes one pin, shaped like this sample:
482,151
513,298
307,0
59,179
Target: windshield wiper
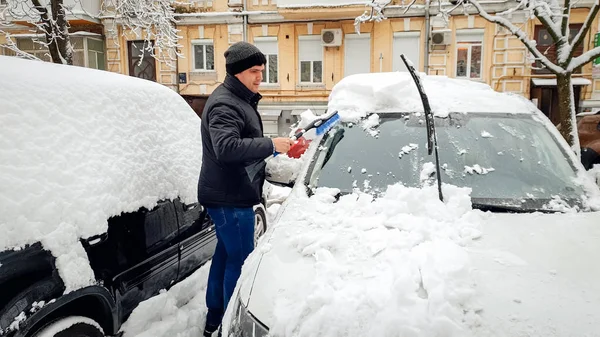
509,208
431,136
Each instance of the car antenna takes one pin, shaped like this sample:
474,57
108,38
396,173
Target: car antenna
431,135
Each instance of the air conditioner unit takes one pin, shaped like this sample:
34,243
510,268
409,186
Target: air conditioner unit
331,37
441,37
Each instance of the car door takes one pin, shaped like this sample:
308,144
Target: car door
148,247
196,236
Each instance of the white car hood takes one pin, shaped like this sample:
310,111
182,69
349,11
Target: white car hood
536,275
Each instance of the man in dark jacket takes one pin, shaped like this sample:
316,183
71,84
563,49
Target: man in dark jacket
233,171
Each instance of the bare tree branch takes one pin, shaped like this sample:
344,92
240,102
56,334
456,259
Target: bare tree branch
519,34
565,18
583,59
376,14
46,27
587,24
151,20
12,46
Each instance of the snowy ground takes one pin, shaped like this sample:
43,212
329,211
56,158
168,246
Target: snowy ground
181,311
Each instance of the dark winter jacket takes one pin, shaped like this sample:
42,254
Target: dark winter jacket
233,148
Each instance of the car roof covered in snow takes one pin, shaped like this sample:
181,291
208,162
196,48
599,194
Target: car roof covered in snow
79,145
357,95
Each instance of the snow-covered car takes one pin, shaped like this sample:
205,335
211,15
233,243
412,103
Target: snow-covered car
98,197
367,244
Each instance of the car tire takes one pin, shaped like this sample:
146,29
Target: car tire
260,224
70,326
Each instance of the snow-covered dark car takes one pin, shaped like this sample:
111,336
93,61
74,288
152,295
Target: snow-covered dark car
98,197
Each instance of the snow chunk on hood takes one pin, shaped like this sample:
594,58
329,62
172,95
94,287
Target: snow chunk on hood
357,95
79,146
396,264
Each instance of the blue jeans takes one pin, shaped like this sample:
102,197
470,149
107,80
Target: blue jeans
235,241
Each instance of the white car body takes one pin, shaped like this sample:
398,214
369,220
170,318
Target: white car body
536,275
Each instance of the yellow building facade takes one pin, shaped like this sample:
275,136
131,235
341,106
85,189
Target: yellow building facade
312,47
302,68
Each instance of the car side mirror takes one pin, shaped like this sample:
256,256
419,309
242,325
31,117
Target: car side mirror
281,178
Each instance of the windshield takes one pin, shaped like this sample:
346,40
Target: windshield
506,159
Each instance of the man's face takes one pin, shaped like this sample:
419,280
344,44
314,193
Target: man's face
252,77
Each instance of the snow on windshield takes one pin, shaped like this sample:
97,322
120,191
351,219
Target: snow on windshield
393,264
80,146
356,95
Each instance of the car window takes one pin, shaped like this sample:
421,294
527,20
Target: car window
502,157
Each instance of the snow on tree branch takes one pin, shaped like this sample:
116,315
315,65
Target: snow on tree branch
49,19
12,46
376,13
587,24
153,21
529,44
586,57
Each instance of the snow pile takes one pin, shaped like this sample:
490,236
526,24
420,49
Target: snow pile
181,311
79,146
357,95
407,149
283,168
594,173
393,266
478,169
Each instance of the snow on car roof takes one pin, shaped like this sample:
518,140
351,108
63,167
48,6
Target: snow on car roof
79,146
357,95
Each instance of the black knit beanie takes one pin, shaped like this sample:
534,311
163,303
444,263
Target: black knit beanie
241,56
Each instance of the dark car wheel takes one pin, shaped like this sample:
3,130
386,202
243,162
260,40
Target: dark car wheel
71,326
260,224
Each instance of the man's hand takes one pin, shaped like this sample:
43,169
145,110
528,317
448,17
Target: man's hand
282,144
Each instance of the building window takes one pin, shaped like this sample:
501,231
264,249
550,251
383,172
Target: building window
87,51
203,55
545,44
469,53
95,54
310,54
268,46
36,48
141,62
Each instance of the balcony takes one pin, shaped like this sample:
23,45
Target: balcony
79,12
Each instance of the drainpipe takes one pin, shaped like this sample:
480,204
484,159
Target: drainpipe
427,31
380,62
245,24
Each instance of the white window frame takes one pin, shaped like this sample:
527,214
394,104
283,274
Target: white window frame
83,47
269,39
86,51
204,43
469,38
300,60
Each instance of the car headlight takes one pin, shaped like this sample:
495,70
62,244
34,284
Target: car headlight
244,324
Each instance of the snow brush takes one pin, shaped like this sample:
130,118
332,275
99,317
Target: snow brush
322,124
